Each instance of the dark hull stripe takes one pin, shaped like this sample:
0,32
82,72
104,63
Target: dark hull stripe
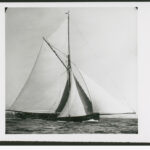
54,117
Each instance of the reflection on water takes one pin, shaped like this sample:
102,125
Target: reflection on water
39,126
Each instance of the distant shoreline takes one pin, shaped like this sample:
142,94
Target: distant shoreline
132,116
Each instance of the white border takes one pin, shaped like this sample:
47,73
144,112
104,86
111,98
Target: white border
143,78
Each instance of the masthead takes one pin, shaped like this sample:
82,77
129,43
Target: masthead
68,12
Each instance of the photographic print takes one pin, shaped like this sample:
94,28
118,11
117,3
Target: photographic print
71,70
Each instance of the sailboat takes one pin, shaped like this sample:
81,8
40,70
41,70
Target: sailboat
58,90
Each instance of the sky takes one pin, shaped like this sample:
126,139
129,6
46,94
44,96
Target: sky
103,45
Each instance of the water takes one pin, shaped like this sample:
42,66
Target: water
39,126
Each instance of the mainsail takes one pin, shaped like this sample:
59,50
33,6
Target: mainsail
55,87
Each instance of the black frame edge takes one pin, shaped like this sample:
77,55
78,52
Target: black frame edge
29,143
18,1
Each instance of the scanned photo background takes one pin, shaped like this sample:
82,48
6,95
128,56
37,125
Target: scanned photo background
103,43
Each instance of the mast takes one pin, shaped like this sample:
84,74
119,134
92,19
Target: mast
69,61
69,58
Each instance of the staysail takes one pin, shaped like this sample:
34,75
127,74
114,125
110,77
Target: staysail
85,99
